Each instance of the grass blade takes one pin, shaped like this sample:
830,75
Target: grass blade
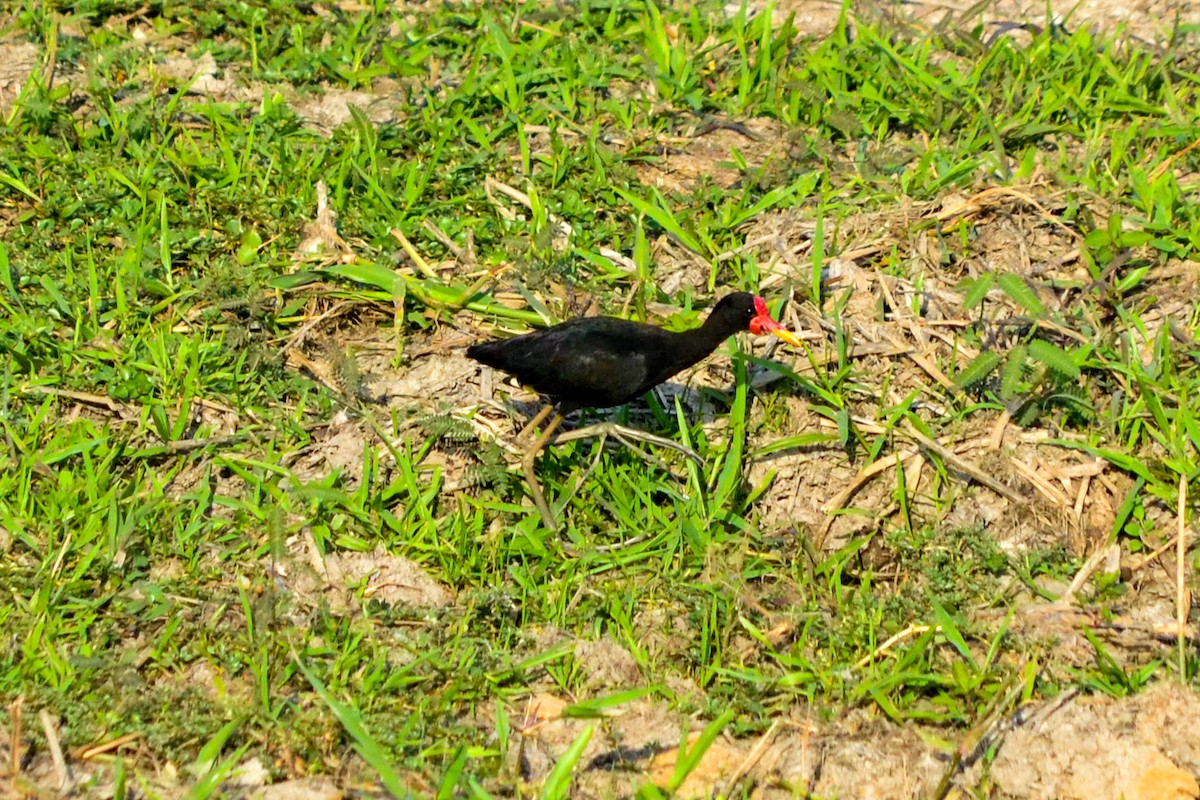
729,479
689,757
604,706
366,746
950,631
666,220
558,782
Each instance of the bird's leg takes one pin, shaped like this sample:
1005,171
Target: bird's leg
623,433
538,419
527,464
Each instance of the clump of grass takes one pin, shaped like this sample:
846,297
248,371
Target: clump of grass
155,283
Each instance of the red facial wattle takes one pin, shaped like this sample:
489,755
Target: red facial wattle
762,322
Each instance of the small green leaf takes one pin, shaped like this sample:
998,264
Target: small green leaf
1022,294
369,273
1054,357
1014,371
1131,280
248,247
477,791
1134,238
978,290
19,185
1126,510
794,442
979,368
1097,239
207,757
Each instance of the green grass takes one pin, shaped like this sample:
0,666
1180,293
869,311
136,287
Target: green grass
149,287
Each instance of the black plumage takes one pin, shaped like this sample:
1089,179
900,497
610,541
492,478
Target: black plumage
605,361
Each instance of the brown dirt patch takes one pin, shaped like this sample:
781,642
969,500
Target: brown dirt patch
345,580
1089,748
707,155
18,60
302,789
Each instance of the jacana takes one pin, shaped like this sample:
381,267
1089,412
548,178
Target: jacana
598,362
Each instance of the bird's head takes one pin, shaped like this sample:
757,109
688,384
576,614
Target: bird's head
761,322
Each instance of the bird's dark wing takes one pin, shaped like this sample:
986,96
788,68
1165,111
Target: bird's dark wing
593,361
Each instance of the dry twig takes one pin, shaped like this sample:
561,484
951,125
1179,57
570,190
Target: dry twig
1154,554
841,498
55,746
752,758
911,630
952,459
1093,563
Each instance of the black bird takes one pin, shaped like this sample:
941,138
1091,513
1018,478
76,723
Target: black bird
597,362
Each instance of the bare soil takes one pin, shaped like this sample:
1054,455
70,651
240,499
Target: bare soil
1069,748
